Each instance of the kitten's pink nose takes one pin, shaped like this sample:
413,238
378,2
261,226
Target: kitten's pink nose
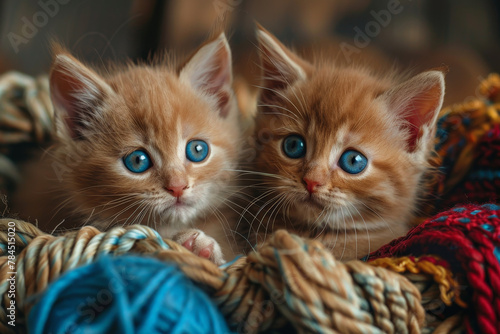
176,189
312,185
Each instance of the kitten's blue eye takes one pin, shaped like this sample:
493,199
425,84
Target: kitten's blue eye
294,146
197,150
353,162
137,161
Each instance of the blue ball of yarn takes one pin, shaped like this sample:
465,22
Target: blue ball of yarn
126,294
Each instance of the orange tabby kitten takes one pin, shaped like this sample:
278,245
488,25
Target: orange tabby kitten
145,144
341,153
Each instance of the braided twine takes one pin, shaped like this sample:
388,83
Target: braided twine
287,282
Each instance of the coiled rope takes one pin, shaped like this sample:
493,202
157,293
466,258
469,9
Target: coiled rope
26,117
287,281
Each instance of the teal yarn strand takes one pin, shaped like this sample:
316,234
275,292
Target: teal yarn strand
126,294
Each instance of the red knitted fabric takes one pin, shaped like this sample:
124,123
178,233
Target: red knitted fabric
467,238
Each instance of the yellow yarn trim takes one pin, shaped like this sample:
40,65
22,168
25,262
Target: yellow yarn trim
448,286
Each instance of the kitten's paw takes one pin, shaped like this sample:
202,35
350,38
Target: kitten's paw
200,244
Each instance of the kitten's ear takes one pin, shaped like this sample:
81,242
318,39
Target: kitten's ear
418,101
281,68
209,71
78,91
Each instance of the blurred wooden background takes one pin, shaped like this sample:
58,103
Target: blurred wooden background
462,34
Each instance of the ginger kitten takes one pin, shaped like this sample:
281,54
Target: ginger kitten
341,152
144,144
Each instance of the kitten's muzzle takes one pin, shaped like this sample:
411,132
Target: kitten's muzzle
176,190
312,200
312,185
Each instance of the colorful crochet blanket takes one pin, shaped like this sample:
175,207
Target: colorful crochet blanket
466,238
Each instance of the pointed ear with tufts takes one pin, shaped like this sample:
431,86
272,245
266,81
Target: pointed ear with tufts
78,92
210,71
418,102
281,68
